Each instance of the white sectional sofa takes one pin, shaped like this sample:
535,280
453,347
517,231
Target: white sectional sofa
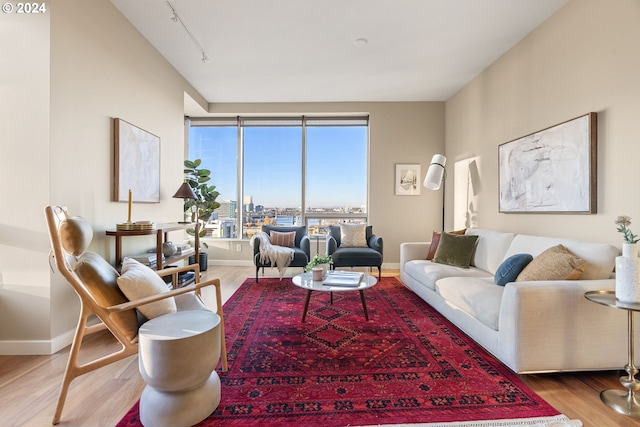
532,327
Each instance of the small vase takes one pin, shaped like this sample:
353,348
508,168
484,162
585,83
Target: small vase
628,274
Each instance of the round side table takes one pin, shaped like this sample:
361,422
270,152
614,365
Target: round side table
178,354
624,402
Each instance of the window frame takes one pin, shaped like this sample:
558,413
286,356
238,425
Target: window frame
241,122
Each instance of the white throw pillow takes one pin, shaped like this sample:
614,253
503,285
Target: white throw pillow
139,281
353,235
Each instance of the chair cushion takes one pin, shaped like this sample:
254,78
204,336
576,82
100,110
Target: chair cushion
556,263
282,238
353,235
356,257
301,231
139,281
511,268
100,279
455,250
75,235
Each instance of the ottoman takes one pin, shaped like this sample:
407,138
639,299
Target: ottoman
178,354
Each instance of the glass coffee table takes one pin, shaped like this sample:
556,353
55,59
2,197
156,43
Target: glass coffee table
305,281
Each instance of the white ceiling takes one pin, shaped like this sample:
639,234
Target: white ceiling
304,50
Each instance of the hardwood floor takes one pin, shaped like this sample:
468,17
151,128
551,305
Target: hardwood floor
29,384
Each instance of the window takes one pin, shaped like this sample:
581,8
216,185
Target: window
283,170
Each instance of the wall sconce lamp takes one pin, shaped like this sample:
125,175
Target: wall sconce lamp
436,176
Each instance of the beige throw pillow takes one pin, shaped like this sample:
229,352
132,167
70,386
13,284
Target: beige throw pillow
555,263
353,235
139,281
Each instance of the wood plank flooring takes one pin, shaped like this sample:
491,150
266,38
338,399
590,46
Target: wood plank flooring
29,384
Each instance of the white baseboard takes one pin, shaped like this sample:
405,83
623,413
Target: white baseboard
36,347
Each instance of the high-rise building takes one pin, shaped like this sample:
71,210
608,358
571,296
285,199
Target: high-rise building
248,204
227,209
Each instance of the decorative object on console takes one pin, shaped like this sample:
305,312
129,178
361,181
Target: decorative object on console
185,192
533,170
407,177
169,249
627,265
436,176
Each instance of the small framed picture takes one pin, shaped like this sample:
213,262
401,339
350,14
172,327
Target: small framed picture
407,180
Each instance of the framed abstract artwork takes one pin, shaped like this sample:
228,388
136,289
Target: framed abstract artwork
407,181
551,171
136,164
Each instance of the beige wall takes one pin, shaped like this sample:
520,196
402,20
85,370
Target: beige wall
399,132
60,115
24,178
583,58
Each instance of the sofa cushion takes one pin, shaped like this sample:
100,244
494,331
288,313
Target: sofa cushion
455,250
435,239
556,263
477,296
491,248
511,268
428,272
600,257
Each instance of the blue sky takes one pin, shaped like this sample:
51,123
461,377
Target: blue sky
336,169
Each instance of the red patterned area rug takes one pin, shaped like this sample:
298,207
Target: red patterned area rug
406,365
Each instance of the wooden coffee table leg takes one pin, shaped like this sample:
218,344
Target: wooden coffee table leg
306,305
364,305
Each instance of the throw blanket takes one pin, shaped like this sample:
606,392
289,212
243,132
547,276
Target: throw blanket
280,256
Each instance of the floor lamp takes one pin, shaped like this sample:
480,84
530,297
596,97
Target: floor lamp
436,176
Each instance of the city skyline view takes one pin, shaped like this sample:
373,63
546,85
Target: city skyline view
336,164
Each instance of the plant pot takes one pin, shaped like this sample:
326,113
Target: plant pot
628,274
204,261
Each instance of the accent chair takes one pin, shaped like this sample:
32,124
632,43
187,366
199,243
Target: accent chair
96,283
369,254
301,246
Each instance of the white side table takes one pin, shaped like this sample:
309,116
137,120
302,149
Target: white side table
624,402
178,354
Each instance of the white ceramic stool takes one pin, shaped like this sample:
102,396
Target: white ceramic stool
178,354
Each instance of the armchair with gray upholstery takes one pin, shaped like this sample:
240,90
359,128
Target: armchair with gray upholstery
302,247
369,256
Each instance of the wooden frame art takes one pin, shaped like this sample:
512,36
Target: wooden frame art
136,164
551,171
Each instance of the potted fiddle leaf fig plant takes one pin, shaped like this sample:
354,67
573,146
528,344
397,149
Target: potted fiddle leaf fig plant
204,204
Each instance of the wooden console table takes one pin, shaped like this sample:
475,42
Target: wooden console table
161,231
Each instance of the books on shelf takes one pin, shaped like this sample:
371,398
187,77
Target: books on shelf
147,258
348,279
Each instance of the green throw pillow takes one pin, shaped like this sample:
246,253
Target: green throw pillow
455,250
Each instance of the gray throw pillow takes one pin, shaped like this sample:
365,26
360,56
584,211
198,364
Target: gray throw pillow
455,250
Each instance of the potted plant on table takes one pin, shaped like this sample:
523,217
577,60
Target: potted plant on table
323,261
202,206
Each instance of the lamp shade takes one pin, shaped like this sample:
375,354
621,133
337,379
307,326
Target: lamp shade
433,180
185,192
